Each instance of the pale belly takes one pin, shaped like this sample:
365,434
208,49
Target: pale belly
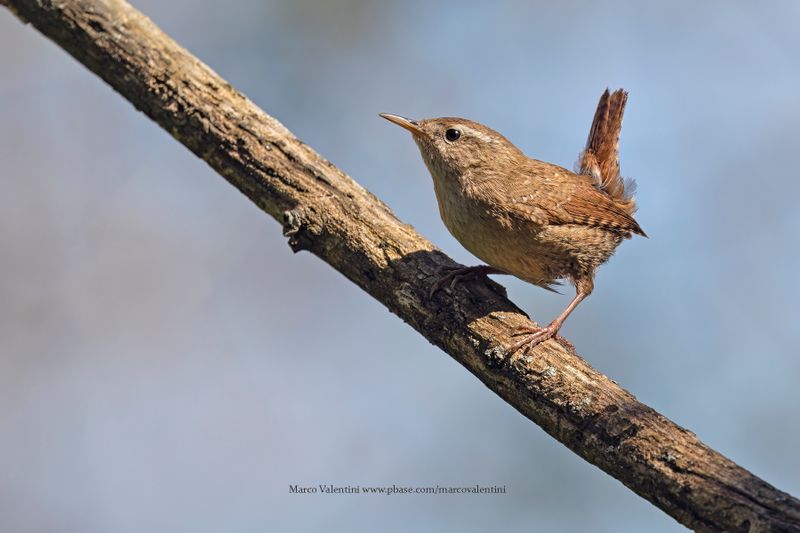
537,254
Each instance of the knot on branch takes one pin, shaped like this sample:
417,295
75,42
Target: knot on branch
293,227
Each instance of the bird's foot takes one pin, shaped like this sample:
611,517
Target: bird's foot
452,276
536,336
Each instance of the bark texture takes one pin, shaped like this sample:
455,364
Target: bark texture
324,211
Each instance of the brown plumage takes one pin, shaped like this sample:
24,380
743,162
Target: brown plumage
524,217
600,158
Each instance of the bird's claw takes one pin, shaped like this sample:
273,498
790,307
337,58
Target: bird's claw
452,276
536,336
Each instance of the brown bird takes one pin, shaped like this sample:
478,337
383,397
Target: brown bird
534,220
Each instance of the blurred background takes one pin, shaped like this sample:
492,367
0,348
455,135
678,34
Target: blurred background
167,364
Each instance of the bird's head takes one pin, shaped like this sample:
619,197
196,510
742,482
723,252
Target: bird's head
455,146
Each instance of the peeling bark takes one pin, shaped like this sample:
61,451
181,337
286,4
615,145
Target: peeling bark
324,211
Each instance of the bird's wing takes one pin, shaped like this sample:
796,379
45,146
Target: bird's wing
555,196
589,207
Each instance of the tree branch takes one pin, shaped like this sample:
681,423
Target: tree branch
326,212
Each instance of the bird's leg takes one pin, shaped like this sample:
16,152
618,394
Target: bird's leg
583,288
452,276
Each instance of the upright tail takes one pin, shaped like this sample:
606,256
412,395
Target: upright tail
600,158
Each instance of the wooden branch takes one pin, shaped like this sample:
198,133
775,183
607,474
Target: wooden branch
326,212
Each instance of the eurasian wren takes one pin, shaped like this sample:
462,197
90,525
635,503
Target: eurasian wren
534,220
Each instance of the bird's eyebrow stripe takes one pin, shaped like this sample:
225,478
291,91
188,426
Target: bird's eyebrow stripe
476,133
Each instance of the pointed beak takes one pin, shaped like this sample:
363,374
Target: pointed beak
410,125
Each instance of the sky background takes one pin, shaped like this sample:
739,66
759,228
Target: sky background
167,364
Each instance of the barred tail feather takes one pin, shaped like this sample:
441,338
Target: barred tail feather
600,158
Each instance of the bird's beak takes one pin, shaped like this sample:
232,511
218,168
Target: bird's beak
410,125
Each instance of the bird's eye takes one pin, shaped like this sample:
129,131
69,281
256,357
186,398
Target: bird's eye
452,134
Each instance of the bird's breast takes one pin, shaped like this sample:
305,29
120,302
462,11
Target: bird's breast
481,227
534,253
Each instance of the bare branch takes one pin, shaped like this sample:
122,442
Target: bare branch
326,212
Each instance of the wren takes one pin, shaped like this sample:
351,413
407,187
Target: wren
527,218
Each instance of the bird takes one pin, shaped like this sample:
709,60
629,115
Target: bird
527,218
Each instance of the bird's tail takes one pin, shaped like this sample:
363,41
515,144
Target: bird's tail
600,158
